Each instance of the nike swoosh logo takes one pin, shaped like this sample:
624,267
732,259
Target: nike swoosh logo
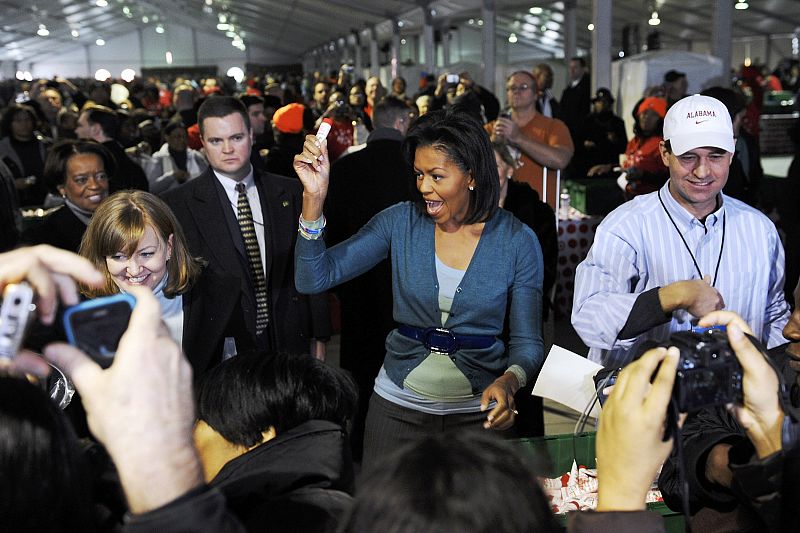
701,121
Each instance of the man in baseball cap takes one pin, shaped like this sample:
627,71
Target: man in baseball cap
666,259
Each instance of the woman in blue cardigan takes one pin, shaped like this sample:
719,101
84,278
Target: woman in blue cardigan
458,262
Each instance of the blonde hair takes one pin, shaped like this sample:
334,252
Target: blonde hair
119,223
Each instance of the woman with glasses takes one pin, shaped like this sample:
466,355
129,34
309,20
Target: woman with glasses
78,172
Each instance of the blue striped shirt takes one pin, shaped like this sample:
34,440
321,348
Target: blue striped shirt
637,248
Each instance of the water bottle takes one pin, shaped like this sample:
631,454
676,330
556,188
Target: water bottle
563,205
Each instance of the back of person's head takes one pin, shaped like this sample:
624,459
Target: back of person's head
55,166
251,99
469,102
733,100
244,396
119,223
106,117
220,107
449,483
387,111
44,479
462,139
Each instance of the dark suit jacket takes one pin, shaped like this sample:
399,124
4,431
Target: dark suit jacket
61,229
211,312
128,174
213,233
575,105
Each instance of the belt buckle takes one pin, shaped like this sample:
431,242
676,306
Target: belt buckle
440,340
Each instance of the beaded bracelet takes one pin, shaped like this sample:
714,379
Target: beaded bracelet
310,233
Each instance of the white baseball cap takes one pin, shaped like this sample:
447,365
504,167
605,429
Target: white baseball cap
697,121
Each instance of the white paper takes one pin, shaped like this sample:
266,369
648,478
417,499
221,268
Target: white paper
566,378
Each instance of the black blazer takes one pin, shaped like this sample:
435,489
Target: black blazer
61,229
211,312
212,231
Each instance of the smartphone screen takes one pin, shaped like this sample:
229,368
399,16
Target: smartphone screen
96,326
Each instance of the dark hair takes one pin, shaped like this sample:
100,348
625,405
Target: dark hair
526,73
580,59
388,110
245,395
11,112
219,107
250,99
466,144
448,483
733,100
106,117
172,126
44,478
469,102
55,166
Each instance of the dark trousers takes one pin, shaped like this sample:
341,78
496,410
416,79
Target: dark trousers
390,426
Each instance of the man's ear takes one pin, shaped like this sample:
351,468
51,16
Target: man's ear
662,148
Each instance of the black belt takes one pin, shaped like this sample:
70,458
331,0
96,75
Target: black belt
442,340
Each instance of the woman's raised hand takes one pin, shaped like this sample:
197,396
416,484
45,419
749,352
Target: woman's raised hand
313,167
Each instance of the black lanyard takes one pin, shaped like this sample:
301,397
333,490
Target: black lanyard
696,266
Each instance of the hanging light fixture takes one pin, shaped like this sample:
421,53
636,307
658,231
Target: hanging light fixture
654,20
42,31
741,4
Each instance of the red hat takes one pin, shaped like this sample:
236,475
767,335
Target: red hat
289,118
659,105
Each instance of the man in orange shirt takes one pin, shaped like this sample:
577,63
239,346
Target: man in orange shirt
543,141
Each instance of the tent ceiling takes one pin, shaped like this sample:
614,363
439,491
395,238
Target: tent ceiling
293,27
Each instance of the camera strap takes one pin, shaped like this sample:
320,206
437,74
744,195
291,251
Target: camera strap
686,245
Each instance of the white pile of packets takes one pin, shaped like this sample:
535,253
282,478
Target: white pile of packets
577,490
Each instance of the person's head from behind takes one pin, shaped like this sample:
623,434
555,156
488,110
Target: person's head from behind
227,135
454,168
78,171
391,113
134,239
507,159
469,102
544,76
44,479
449,483
253,398
18,122
735,103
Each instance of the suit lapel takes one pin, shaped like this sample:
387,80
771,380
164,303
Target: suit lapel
278,208
211,216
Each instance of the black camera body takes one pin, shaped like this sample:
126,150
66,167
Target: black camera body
708,373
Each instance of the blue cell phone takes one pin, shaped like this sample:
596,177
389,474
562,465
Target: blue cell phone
96,326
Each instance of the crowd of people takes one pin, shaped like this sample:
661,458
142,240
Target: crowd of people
420,231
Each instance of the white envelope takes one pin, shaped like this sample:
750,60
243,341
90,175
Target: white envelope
566,378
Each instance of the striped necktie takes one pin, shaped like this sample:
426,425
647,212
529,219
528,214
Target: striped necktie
245,218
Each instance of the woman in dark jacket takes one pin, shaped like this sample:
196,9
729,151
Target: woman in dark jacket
136,240
78,172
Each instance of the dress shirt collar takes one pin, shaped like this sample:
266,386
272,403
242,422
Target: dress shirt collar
685,218
230,184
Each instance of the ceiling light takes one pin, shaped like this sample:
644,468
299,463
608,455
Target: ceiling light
159,29
20,75
480,22
75,33
102,74
145,19
621,53
590,27
42,31
512,38
741,4
471,21
535,10
128,75
168,57
101,3
654,20
222,17
127,11
222,26
28,76
209,2
402,41
236,73
100,42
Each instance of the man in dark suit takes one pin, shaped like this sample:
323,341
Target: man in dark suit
101,124
366,301
575,100
244,223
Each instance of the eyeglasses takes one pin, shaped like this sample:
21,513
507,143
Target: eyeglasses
83,179
518,88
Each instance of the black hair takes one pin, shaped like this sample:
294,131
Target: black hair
580,59
55,166
251,99
469,102
44,477
219,107
449,483
733,100
170,127
388,110
11,112
243,396
466,144
106,117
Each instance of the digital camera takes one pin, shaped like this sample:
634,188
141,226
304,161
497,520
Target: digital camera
708,372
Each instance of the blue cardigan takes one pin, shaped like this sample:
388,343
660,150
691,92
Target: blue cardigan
506,266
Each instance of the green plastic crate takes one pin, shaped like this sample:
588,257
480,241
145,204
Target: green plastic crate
552,456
